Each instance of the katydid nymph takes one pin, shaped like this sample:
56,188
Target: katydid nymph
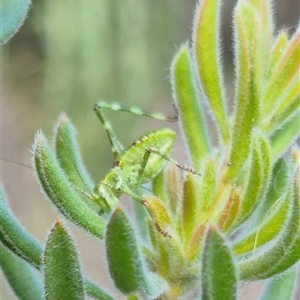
138,164
135,165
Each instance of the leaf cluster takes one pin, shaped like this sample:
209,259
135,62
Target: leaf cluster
233,220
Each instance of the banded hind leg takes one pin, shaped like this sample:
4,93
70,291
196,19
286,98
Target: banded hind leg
173,161
146,157
136,111
145,203
116,145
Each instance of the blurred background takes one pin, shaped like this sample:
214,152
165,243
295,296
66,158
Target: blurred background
70,54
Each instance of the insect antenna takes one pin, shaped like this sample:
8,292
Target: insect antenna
88,194
16,163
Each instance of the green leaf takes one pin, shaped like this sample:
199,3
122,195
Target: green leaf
159,186
152,255
69,158
219,276
159,214
285,111
13,14
20,275
132,297
230,212
93,290
284,252
282,287
266,155
190,110
62,274
247,98
279,48
165,188
60,191
165,256
68,155
258,178
285,70
173,187
284,106
141,214
16,238
189,205
261,44
207,53
196,242
278,187
208,188
126,265
266,159
275,221
21,242
284,136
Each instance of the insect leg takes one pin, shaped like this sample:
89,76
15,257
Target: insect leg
144,202
137,111
116,146
142,167
172,161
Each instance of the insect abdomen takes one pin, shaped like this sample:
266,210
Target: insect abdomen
131,159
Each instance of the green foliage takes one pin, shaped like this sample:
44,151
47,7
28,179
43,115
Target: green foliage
216,256
127,266
282,287
13,14
16,270
206,28
61,266
185,89
57,187
234,220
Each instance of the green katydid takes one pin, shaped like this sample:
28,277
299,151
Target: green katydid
135,165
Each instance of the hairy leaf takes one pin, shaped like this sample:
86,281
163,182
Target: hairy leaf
190,109
219,276
62,273
13,14
207,53
20,275
59,190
